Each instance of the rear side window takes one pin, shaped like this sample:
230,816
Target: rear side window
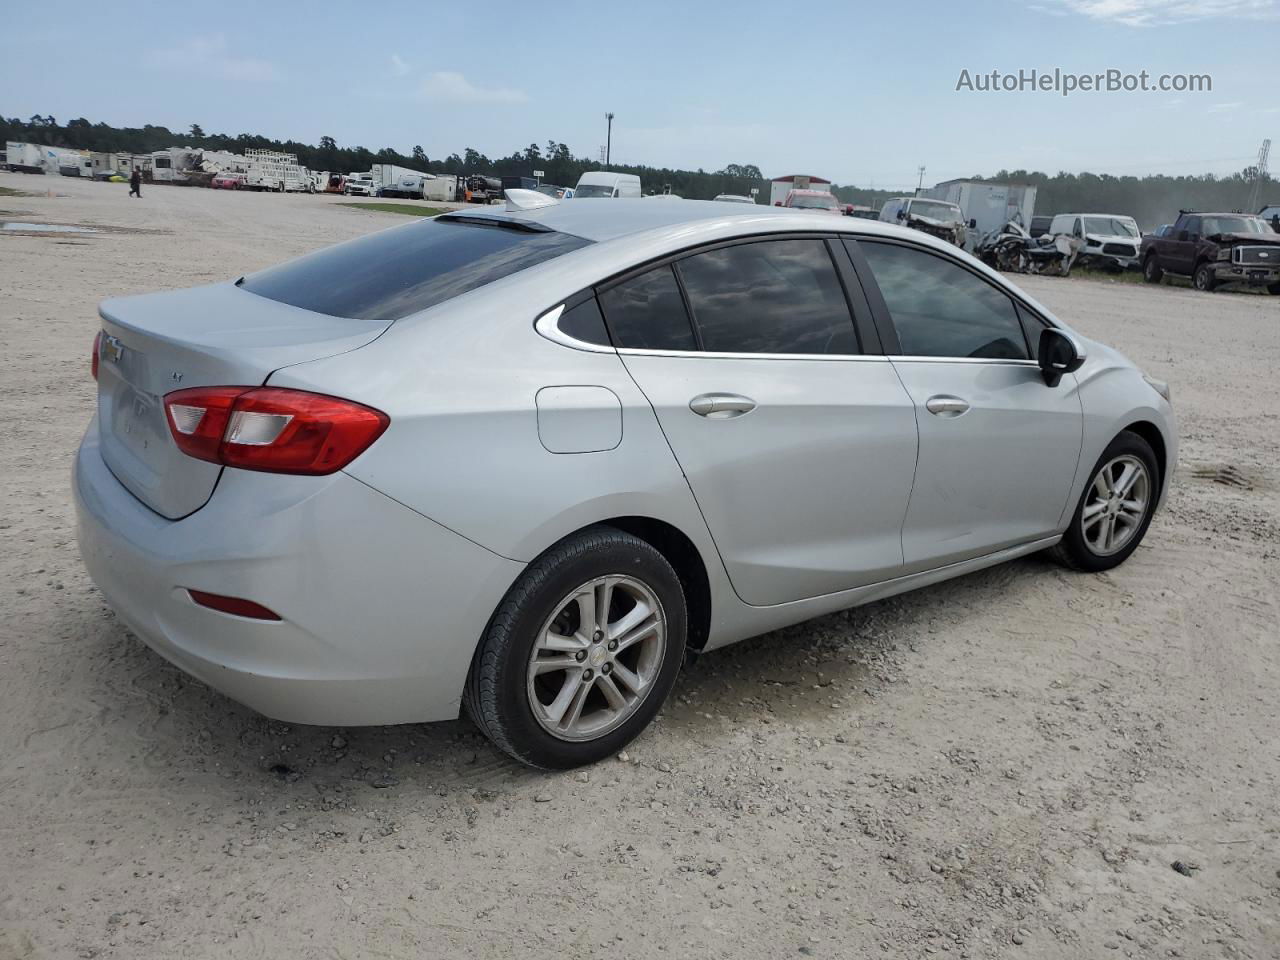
393,273
941,309
584,322
772,296
647,312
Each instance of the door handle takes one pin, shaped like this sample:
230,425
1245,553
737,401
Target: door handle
945,406
721,406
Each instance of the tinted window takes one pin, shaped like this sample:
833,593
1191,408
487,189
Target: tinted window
647,312
584,322
393,273
942,310
775,296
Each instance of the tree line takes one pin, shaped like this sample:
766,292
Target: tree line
1151,199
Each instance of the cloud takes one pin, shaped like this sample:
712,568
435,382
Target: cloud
399,67
208,56
1146,13
448,87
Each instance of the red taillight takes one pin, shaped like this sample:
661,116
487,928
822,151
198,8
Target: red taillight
271,428
233,605
97,351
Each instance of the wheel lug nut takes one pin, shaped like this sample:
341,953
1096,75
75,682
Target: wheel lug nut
607,668
597,636
587,674
580,655
613,644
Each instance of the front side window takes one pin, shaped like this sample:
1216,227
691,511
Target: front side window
772,296
393,273
646,312
941,309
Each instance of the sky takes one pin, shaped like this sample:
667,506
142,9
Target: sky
860,93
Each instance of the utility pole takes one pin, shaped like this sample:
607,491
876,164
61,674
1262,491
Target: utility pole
920,182
1260,174
608,140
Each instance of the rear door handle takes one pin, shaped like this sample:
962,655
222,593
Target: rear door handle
945,406
721,406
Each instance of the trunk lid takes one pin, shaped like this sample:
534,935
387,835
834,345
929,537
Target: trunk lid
208,336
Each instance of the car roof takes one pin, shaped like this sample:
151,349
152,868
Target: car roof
1211,213
609,219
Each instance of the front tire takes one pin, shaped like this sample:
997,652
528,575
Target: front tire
581,653
1204,278
1274,289
1151,271
1115,508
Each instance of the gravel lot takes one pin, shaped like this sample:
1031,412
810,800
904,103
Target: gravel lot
1005,765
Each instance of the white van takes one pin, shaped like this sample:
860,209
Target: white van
601,183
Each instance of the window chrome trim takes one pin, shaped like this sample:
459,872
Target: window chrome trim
710,355
1003,361
547,326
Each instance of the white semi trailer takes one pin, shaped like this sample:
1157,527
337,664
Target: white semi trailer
395,181
25,157
986,206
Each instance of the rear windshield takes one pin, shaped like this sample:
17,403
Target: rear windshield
824,202
391,274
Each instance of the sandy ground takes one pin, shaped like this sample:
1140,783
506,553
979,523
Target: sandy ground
1002,766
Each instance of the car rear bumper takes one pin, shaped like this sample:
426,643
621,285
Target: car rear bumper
381,607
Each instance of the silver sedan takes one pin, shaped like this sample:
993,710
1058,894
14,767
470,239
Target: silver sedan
521,462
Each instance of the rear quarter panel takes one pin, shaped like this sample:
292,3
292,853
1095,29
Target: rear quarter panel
464,449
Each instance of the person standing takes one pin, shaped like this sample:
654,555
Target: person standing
135,183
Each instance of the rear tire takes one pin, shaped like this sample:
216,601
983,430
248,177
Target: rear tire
1115,508
1151,272
526,691
1203,279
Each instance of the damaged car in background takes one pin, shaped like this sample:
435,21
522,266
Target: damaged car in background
1013,249
938,218
1215,248
1107,240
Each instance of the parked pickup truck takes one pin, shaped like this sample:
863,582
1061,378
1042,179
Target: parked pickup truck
1214,248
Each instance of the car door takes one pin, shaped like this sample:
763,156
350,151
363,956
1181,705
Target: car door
1186,238
795,433
998,447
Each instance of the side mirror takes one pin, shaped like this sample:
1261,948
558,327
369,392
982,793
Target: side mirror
973,223
1058,354
902,213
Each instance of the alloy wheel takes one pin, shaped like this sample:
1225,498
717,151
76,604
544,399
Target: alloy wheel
1118,500
596,658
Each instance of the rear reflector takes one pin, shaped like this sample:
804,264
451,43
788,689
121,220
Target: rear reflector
271,428
97,350
234,605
